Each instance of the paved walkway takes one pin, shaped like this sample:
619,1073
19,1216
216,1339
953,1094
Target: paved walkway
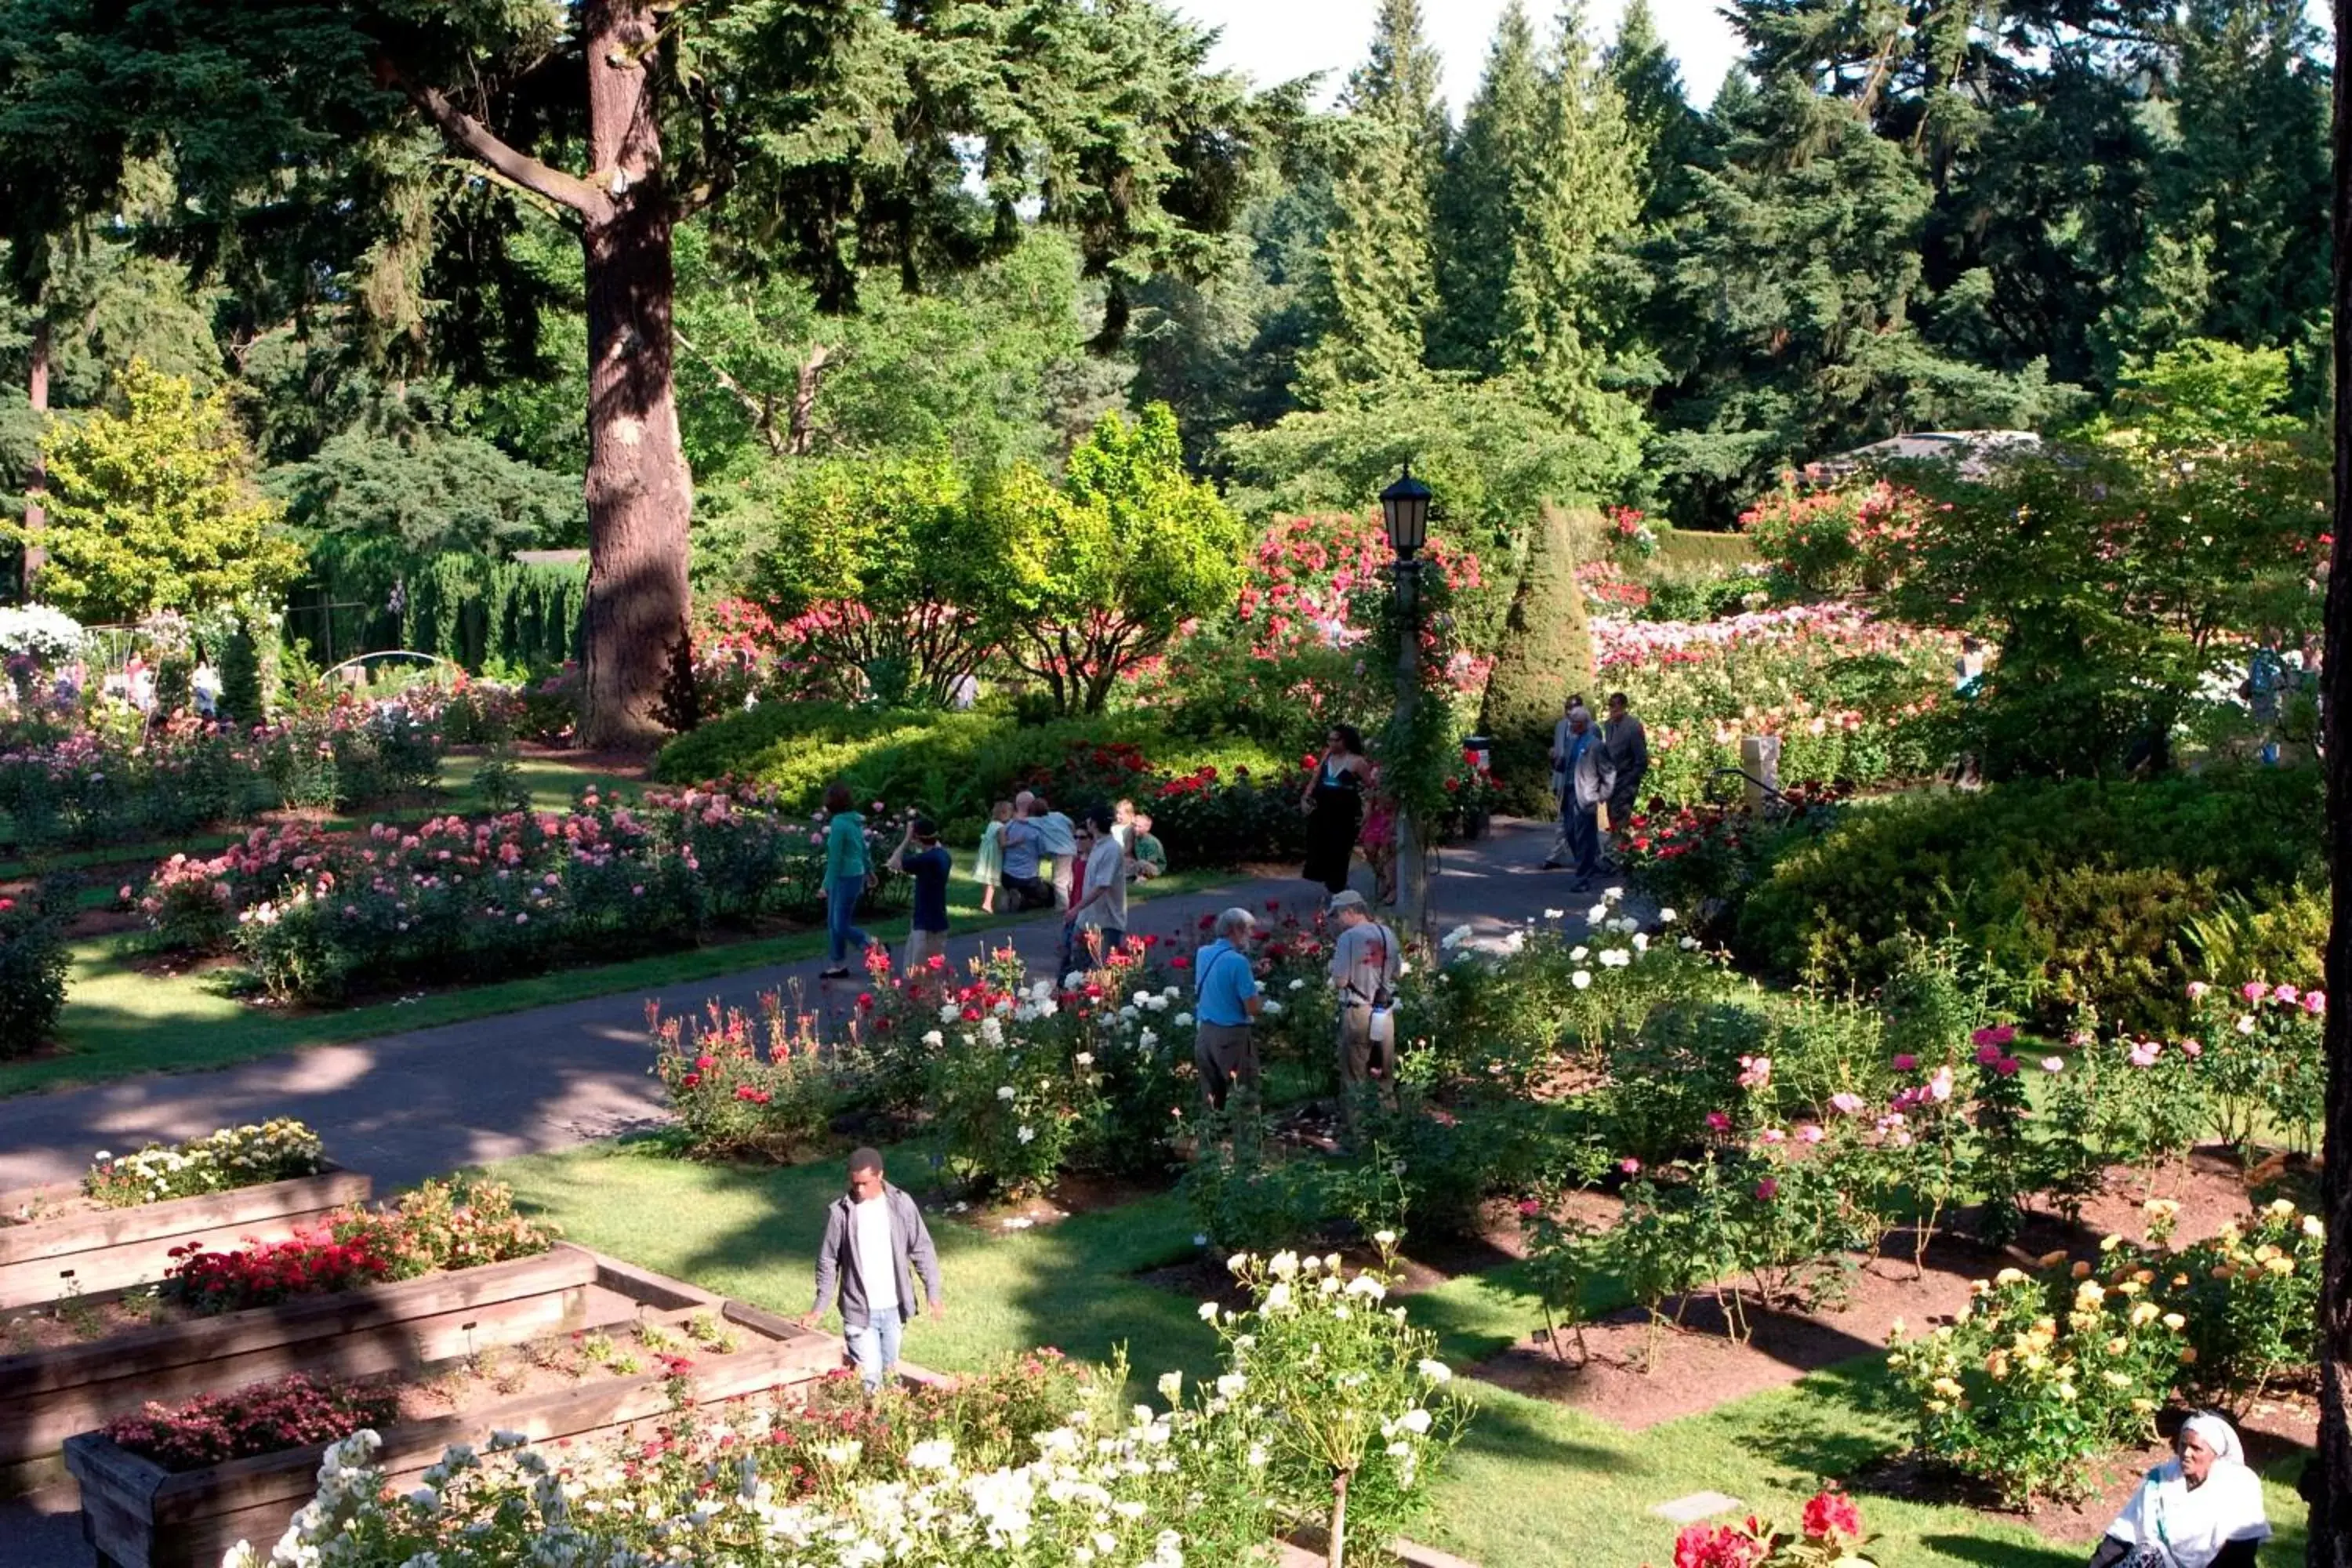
411,1105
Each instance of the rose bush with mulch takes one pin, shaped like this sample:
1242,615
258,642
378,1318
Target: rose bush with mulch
463,1223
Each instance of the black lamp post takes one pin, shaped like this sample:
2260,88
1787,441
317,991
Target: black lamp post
1404,510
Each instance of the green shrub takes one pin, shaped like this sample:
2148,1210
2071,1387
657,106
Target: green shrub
33,963
2079,891
958,766
1545,655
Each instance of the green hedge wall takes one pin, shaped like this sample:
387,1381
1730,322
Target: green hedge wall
954,765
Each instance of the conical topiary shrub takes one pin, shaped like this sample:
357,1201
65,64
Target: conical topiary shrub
1544,654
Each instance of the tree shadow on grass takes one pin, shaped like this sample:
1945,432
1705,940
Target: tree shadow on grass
1810,1430
1996,1553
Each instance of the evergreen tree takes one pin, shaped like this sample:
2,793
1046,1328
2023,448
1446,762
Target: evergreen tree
1796,283
2238,231
1665,128
1545,655
1379,276
1577,203
1487,174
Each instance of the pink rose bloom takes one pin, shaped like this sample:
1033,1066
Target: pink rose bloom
1716,1122
1629,1165
2197,989
1939,1087
1906,1062
1755,1072
1773,1135
1988,1053
2000,1035
2053,1064
2006,1066
2191,1049
1846,1104
2144,1054
2287,993
2254,990
2315,1002
1809,1133
1767,1189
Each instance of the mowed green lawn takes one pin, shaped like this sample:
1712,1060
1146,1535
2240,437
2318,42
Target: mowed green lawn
120,1020
1535,1486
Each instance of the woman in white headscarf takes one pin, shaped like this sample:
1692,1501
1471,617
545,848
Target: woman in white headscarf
2203,1508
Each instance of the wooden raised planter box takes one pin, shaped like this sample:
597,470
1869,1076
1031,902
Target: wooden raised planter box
136,1514
88,1253
48,1395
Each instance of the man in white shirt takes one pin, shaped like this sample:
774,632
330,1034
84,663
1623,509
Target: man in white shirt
875,1243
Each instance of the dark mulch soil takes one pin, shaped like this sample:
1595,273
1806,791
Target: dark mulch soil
1697,1366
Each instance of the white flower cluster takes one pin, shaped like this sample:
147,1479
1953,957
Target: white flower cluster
1091,1501
219,1161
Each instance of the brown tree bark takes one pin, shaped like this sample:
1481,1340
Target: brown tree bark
36,484
2328,1484
640,494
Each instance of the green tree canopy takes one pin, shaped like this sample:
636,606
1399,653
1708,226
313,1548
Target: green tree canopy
1113,562
155,507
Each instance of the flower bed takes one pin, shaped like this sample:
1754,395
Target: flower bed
47,1395
225,1470
115,778
1325,1393
129,1217
1843,693
459,896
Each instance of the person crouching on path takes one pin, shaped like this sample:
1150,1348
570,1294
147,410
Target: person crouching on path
1224,994
875,1243
1366,963
928,864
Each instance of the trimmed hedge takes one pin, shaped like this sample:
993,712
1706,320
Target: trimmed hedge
955,766
1686,549
1545,655
2092,893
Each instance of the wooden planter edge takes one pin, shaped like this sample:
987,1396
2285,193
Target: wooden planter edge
29,1373
39,1240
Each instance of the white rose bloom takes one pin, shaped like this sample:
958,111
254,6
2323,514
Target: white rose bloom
936,1454
1086,1058
1208,1312
1613,894
1028,1134
1416,1421
1183,1020
1555,914
1640,943
1597,914
935,1039
1384,1238
1666,917
1578,955
1004,1091
1436,1371
1581,979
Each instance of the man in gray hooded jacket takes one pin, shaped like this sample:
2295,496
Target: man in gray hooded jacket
875,1243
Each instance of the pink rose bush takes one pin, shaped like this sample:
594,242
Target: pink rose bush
456,896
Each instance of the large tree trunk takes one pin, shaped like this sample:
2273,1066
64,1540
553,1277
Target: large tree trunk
36,483
2329,1487
640,495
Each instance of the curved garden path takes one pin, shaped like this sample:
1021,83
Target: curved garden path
406,1106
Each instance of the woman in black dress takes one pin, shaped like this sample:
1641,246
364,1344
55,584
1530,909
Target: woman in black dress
1334,802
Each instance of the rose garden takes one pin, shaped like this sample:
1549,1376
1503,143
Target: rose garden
474,637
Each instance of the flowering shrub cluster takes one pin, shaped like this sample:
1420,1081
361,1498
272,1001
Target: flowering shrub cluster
1844,694
292,1412
1828,1535
1326,1393
458,896
111,777
219,1161
740,1085
457,1224
1704,857
2042,1372
1837,540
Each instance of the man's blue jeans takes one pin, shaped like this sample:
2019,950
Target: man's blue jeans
840,910
874,1347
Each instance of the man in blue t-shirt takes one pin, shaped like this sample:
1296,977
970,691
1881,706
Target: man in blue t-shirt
1225,1044
921,855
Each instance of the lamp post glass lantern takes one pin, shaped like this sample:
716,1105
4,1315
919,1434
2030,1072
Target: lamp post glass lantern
1404,510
